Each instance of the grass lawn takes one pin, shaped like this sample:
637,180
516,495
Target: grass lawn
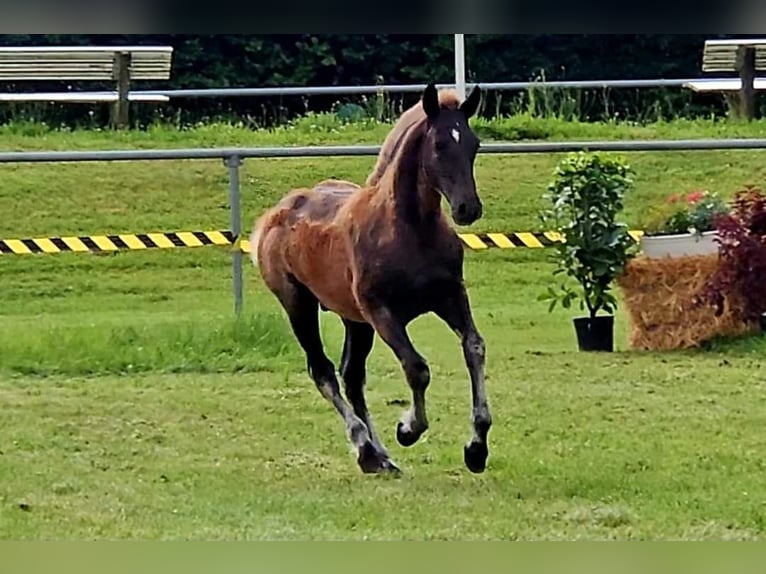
134,406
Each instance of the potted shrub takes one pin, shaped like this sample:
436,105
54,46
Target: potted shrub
584,198
683,225
741,270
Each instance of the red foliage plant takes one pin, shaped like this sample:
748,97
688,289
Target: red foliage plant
742,254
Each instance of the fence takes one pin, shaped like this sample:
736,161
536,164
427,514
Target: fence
233,158
410,88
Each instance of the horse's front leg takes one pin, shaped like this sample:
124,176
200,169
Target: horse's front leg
455,310
393,332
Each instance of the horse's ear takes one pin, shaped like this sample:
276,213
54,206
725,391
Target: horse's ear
471,104
431,101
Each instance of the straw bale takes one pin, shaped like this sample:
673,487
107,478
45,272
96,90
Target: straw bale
661,296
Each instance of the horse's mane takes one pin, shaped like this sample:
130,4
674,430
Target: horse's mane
406,126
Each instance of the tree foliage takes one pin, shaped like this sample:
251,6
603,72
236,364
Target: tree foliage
225,60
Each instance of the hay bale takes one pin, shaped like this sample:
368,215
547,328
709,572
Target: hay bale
662,298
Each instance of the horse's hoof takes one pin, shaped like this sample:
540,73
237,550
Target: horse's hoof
475,455
372,461
406,436
390,467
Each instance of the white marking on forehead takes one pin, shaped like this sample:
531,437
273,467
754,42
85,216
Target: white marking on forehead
455,135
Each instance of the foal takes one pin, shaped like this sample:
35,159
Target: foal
379,256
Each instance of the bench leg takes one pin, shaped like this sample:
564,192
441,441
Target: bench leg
746,67
120,117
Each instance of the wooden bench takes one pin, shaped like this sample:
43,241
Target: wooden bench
743,56
120,64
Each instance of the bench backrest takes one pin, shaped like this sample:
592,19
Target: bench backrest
83,62
721,55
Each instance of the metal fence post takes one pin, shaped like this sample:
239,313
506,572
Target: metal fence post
233,163
460,65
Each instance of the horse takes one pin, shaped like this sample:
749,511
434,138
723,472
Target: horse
379,256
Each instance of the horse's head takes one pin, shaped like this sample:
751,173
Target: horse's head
449,152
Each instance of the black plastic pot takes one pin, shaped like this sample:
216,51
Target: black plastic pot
595,334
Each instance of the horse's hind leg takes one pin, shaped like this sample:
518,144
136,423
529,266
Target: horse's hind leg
303,311
356,349
455,310
414,421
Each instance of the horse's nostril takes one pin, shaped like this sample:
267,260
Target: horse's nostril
461,209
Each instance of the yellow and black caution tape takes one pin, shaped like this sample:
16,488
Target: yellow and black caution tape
479,241
120,242
176,239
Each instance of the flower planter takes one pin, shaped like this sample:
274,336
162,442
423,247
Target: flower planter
680,245
595,334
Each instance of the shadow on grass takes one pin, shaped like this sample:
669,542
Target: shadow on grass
748,344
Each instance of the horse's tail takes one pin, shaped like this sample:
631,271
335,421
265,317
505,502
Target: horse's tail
271,218
255,238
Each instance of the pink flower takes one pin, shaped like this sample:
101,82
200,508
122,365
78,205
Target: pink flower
695,196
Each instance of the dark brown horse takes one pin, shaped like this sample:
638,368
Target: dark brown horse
379,256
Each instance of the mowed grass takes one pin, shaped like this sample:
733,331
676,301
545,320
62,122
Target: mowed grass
134,405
